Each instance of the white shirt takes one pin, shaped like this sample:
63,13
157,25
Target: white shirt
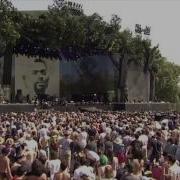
102,136
43,132
165,121
84,170
108,130
83,138
144,139
157,125
54,166
54,118
92,155
32,145
174,172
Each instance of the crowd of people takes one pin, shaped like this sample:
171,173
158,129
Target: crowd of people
88,146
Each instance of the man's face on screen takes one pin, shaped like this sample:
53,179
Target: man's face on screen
40,77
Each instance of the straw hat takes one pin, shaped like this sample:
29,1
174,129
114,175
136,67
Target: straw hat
1,140
118,140
10,141
55,132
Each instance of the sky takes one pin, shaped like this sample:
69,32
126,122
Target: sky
161,15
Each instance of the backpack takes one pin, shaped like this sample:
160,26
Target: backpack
121,173
137,149
157,147
122,155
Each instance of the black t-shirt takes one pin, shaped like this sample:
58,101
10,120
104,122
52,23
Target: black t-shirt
137,149
18,125
14,132
92,132
75,148
157,146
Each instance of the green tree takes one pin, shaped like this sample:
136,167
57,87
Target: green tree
151,56
9,33
167,80
50,33
130,49
8,25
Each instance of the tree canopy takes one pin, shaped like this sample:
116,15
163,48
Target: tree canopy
9,25
65,29
167,81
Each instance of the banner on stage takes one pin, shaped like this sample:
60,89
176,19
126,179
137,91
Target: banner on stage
35,76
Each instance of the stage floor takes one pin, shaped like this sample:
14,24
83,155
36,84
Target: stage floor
129,107
16,108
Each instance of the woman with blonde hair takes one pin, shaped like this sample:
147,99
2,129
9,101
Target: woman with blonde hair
137,170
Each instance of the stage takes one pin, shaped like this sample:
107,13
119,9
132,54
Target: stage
95,107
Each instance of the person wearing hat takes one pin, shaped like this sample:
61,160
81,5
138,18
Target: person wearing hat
117,145
9,142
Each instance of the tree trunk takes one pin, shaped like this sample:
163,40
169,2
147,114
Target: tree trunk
123,83
152,86
7,66
119,82
7,70
121,86
118,67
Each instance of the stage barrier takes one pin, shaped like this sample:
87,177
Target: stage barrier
16,108
130,107
73,107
